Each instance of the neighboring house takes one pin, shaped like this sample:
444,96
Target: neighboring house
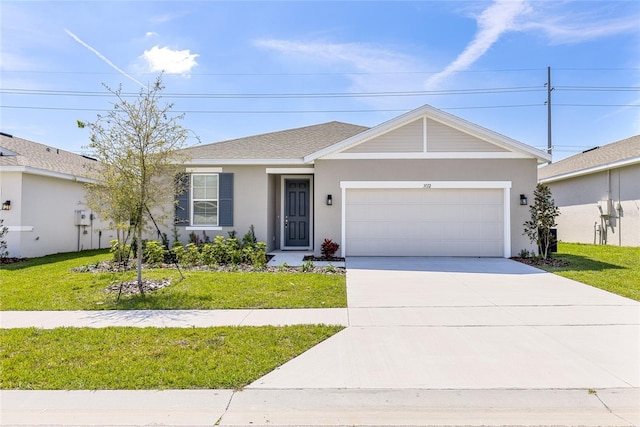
42,194
598,193
426,183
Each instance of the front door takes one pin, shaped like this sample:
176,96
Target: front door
297,213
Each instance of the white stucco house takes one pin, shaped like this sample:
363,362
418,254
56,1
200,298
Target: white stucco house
426,183
42,195
598,193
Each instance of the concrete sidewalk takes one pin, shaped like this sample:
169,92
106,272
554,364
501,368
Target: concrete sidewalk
333,407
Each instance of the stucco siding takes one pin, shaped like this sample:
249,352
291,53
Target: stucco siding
328,174
251,197
408,138
442,138
577,198
42,218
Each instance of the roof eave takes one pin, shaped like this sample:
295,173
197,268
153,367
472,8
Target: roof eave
594,169
248,162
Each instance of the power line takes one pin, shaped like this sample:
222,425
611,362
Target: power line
343,73
474,91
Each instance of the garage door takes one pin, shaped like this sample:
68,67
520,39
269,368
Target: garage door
424,222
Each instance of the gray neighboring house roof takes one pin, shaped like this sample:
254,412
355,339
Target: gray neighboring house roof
21,155
616,154
287,145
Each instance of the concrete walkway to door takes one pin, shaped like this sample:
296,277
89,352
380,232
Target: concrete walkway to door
471,323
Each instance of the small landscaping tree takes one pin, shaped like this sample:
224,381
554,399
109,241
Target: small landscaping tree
3,243
543,218
137,146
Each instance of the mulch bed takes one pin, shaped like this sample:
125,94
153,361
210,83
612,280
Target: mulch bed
10,260
316,258
549,262
132,288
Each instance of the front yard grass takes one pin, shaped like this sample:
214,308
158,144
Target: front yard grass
149,358
612,268
48,283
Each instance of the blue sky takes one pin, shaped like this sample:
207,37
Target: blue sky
242,68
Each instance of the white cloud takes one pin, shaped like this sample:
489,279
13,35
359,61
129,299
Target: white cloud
493,22
577,28
364,65
164,59
150,34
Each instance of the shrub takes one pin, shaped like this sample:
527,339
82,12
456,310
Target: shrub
219,251
329,248
120,251
249,239
154,252
3,243
207,254
308,266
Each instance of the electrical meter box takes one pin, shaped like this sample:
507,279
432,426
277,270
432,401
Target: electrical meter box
82,218
605,207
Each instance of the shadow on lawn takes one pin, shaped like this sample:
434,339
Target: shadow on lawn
581,263
52,259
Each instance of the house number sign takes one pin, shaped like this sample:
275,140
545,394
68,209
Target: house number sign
426,185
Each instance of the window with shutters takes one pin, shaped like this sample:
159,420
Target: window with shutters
204,199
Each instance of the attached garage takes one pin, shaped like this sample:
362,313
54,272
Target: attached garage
426,219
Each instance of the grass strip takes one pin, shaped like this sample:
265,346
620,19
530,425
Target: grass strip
48,283
612,268
118,358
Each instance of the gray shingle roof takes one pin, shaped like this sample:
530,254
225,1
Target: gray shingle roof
21,152
286,144
604,155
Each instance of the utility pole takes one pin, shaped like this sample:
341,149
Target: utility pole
549,90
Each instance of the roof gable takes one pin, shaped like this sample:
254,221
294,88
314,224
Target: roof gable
427,132
616,154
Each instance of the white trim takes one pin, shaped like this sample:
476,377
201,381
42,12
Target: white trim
439,116
425,184
430,155
504,185
258,162
192,199
506,221
424,134
43,172
283,179
204,170
20,227
202,228
600,168
278,171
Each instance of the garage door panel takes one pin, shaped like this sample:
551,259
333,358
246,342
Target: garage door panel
419,222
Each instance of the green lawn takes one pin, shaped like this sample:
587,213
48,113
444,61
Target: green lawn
612,268
149,358
48,283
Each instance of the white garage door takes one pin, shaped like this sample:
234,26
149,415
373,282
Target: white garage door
424,222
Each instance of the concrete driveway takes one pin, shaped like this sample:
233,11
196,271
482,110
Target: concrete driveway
470,324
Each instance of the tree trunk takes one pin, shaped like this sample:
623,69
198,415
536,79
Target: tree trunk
139,233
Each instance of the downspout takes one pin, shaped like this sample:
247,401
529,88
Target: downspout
619,211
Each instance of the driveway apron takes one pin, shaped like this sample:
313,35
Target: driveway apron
470,323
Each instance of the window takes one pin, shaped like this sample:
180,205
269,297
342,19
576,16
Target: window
204,199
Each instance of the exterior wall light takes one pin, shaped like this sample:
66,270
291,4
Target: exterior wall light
523,200
329,200
6,206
